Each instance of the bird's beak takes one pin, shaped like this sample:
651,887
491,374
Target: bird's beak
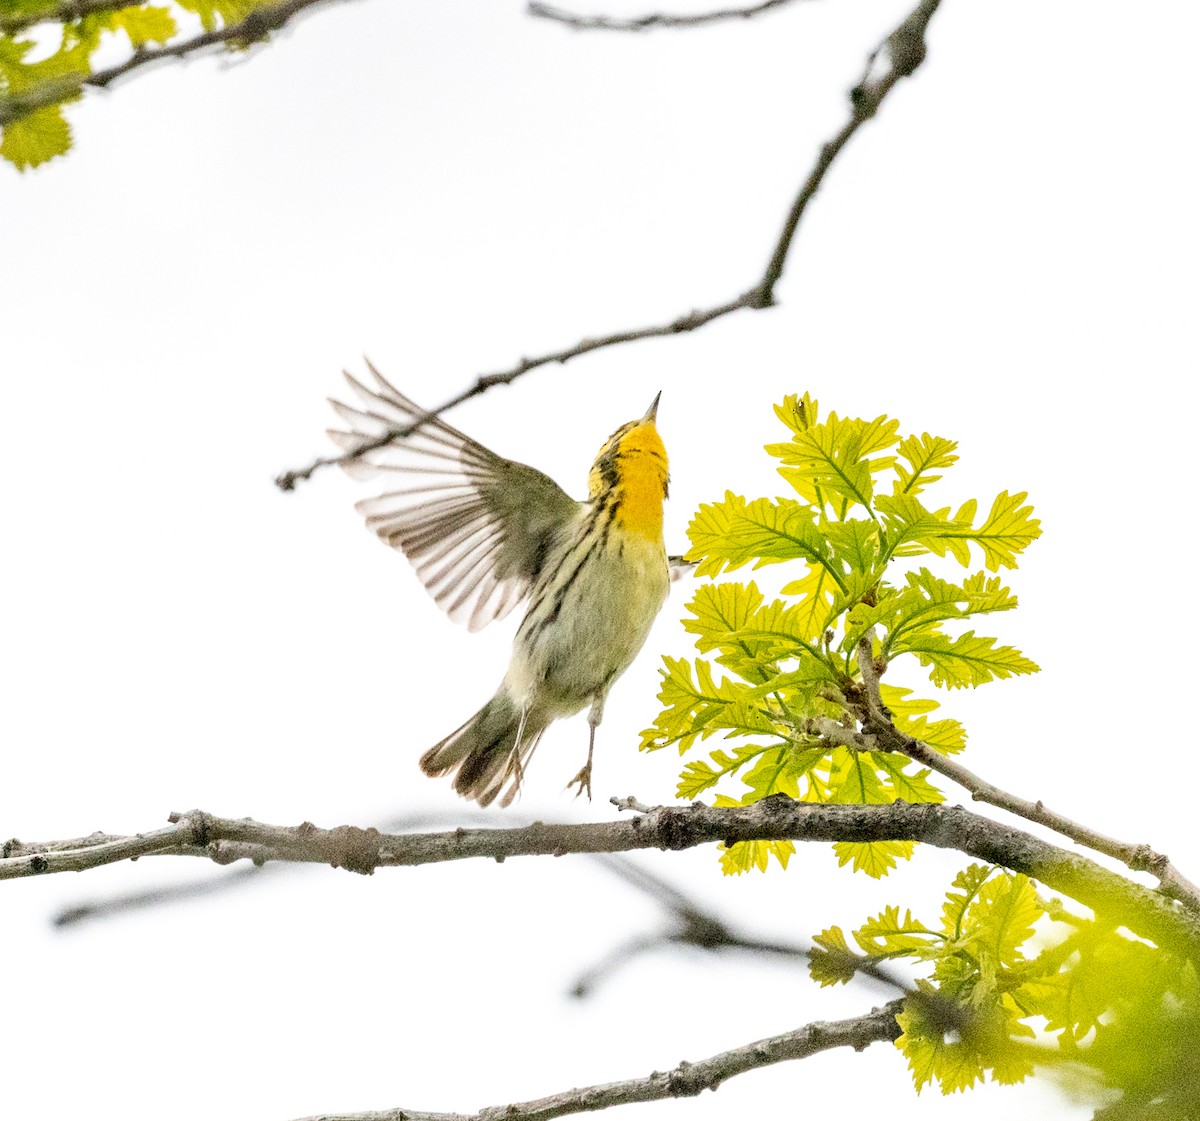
652,412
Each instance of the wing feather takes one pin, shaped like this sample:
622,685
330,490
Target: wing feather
476,527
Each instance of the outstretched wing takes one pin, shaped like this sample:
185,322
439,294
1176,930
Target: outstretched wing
475,526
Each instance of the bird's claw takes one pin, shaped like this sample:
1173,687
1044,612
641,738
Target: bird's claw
583,780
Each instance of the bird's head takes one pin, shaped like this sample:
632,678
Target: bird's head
633,457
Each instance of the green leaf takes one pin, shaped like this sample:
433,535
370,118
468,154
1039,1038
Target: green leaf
924,453
831,961
699,775
961,895
875,858
854,780
1008,530
798,413
771,774
746,856
754,638
909,716
855,543
816,591
887,935
718,609
986,594
947,736
911,529
957,1064
914,787
731,533
929,599
223,12
32,140
146,25
900,702
835,458
966,660
720,613
695,707
1001,917
779,630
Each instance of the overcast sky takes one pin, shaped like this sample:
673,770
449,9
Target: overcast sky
1006,256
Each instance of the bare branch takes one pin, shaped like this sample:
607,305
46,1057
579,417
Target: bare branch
61,13
21,859
1138,857
686,1080
887,737
775,818
256,25
645,23
905,50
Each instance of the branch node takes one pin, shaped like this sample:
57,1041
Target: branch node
759,297
199,821
355,849
1145,859
682,1084
631,803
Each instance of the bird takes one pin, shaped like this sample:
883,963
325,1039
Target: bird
485,533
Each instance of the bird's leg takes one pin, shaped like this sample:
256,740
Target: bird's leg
584,779
514,760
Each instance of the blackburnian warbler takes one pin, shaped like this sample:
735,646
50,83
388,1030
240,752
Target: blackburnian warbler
484,533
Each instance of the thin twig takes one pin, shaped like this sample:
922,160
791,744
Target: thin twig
703,929
256,25
645,23
686,1080
905,49
887,737
775,818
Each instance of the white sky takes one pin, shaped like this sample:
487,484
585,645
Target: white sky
1006,257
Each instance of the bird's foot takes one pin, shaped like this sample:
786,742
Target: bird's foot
583,780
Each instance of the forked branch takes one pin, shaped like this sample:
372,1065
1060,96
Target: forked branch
905,51
255,26
877,723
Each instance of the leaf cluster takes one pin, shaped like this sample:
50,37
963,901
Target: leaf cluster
35,85
778,677
1015,982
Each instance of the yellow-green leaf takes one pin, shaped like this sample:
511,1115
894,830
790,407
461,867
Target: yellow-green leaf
1001,917
146,25
888,935
831,961
32,140
969,659
924,454
838,457
875,858
745,856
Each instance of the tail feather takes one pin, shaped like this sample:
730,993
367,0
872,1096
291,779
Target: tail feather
491,748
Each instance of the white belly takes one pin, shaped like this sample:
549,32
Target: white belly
564,659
